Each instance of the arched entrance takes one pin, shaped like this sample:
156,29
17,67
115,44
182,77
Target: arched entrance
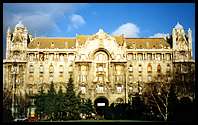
101,103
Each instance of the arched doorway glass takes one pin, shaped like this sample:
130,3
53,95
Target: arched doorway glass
101,103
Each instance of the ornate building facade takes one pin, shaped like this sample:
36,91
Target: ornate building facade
101,65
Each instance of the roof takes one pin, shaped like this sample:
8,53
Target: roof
66,43
147,43
52,43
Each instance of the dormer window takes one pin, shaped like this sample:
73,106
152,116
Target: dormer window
38,44
52,44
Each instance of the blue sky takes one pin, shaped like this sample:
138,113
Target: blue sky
67,20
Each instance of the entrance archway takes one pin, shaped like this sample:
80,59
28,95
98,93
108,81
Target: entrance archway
101,104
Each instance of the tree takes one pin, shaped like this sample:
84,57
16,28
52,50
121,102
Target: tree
7,101
60,104
72,102
162,97
40,103
50,101
87,107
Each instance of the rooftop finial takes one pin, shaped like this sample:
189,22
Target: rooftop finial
8,31
178,26
101,30
20,24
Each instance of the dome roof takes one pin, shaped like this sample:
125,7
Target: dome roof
20,25
178,26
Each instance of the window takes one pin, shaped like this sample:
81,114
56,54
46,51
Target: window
159,77
158,57
100,67
130,78
83,57
61,68
51,57
140,68
41,56
184,68
31,56
168,68
84,78
149,56
140,78
168,57
130,57
130,68
119,78
31,69
30,91
41,69
83,89
99,89
149,68
140,56
100,78
158,68
101,56
119,89
51,78
40,79
61,57
31,78
149,78
51,68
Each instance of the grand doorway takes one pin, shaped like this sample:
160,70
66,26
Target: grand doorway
101,104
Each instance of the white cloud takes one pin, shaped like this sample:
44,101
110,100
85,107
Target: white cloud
128,29
76,21
159,35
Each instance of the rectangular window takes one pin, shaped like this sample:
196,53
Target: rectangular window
83,90
149,78
140,68
119,89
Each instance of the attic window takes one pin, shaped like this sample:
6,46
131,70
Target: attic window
52,44
38,43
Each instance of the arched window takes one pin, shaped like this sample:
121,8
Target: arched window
119,100
158,68
51,68
149,56
140,56
149,68
101,56
149,78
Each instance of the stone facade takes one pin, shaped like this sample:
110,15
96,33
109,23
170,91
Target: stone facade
101,65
